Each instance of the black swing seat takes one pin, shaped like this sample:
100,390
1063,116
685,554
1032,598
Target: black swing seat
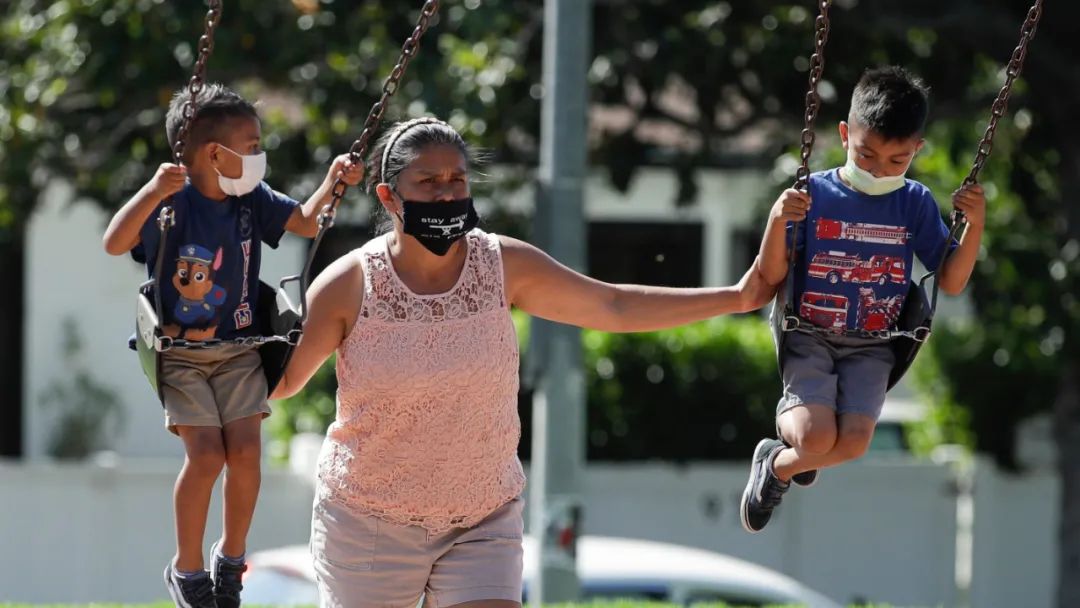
912,326
916,317
279,325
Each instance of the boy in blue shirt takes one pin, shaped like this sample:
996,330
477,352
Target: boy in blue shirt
215,398
856,244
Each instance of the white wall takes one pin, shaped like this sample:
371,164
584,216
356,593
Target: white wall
881,531
81,533
1016,532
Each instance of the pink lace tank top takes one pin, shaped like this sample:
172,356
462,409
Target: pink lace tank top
427,428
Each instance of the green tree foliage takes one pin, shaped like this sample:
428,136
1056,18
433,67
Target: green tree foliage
706,391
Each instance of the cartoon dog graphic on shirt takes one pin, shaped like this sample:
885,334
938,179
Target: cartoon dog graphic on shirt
196,310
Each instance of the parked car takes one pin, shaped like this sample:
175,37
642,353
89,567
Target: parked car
607,567
646,570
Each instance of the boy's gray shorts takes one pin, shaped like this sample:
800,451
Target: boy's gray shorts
850,375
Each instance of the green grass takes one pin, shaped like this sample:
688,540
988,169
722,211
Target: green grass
607,604
610,604
613,604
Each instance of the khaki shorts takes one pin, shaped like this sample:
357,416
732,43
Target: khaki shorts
213,386
362,561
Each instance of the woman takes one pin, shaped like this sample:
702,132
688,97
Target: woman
419,482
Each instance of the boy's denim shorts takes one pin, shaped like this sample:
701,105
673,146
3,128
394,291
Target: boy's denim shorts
849,375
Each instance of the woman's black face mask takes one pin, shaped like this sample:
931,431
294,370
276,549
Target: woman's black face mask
438,224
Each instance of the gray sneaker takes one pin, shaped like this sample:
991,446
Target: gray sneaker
227,577
189,592
763,490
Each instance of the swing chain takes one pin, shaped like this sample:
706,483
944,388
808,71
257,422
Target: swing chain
167,216
813,100
794,323
813,104
166,343
1001,103
390,86
166,220
196,84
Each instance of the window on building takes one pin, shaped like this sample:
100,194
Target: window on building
649,253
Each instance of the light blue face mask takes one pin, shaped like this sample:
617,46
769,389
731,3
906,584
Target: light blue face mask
865,182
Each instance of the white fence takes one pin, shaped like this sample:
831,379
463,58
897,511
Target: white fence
878,531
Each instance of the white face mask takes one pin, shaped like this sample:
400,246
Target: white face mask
865,182
252,172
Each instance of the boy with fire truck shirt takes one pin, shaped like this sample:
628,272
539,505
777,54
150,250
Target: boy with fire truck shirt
858,229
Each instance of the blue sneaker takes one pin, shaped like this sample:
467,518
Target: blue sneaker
763,490
189,592
227,576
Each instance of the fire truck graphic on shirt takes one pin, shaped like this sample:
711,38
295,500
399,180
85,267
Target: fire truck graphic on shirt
877,315
824,310
826,229
836,266
831,310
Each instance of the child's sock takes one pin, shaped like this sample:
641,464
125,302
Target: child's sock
235,561
191,575
772,470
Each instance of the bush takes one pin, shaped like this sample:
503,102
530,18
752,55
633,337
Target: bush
707,391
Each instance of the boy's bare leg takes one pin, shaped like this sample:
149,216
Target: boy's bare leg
811,428
243,475
204,459
810,436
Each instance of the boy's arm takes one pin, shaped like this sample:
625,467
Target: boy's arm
792,206
122,235
957,270
304,220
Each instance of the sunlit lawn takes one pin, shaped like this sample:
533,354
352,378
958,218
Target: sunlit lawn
609,604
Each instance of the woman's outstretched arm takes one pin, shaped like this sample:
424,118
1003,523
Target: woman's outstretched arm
543,287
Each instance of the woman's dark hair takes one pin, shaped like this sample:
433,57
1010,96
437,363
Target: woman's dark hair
398,147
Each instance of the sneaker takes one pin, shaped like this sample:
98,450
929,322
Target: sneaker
226,576
189,592
763,490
